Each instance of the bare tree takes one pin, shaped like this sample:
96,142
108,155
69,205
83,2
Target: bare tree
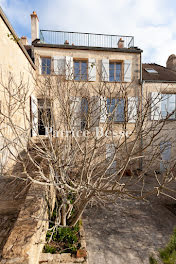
88,143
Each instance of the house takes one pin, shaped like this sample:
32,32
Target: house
107,66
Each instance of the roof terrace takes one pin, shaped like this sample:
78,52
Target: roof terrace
85,39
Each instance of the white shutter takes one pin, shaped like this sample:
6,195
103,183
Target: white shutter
40,65
132,109
34,111
92,70
165,149
110,152
75,109
103,109
69,67
127,70
105,70
48,130
155,106
59,65
95,111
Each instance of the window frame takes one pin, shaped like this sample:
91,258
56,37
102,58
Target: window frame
115,62
47,106
167,103
80,60
115,114
46,57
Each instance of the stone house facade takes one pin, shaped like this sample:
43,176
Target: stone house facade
96,62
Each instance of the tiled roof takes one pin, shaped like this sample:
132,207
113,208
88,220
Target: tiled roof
163,73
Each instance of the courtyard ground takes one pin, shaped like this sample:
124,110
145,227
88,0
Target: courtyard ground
127,232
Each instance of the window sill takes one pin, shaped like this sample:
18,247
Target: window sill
80,80
116,81
44,74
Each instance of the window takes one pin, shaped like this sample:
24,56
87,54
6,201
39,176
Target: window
116,109
84,113
168,105
80,70
115,71
151,70
44,117
46,65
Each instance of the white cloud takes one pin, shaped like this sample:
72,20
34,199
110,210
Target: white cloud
151,22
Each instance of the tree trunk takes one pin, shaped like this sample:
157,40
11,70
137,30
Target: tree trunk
63,215
76,217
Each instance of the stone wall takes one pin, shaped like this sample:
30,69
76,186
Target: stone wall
27,237
17,71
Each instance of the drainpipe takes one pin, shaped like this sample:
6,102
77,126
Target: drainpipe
141,138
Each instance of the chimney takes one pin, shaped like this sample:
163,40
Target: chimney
24,40
171,62
120,43
34,26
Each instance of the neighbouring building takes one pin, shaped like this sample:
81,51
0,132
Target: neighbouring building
159,86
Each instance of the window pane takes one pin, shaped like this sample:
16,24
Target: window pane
111,105
46,65
76,71
84,70
84,106
111,72
48,62
120,110
118,72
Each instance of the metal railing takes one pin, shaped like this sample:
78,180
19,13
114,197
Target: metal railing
85,39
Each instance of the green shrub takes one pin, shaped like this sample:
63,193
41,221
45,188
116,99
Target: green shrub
66,237
167,254
152,260
49,249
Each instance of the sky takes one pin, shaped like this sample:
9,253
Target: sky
151,22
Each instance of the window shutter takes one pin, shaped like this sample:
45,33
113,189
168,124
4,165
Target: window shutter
165,149
127,70
40,65
103,109
69,67
94,108
110,152
34,111
48,130
105,70
59,65
75,109
132,109
155,106
92,70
